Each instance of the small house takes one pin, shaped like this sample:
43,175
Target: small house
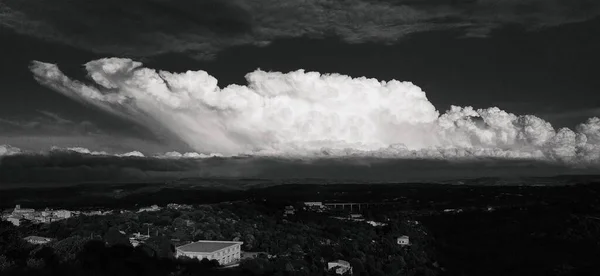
289,210
37,240
340,267
357,217
403,240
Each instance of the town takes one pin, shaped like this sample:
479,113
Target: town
303,230
226,253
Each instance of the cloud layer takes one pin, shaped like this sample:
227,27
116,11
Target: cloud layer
204,27
67,166
308,114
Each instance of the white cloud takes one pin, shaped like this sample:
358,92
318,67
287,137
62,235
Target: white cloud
86,151
308,114
7,150
80,150
131,154
187,155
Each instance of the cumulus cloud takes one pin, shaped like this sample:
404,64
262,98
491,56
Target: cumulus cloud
187,155
85,151
308,114
204,27
133,154
7,150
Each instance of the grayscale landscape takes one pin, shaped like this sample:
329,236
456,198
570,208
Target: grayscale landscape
300,137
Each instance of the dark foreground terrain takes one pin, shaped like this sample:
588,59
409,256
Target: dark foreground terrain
468,229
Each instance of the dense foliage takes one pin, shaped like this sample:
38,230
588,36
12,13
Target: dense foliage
301,244
458,230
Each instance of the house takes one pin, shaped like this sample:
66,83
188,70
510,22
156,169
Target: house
340,266
152,208
37,240
226,252
356,217
314,204
403,241
63,214
178,206
19,210
289,210
16,221
376,223
138,238
453,211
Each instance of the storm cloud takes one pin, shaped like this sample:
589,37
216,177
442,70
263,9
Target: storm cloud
309,115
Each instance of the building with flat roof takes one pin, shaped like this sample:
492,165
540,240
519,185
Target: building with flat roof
152,208
37,240
289,210
15,220
226,252
356,217
340,267
403,240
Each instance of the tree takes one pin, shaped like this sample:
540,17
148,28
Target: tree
5,263
34,263
114,237
94,255
162,246
357,266
68,248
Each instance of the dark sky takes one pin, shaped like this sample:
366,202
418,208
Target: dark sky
526,57
548,72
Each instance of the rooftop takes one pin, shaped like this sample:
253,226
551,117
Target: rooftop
37,238
207,246
340,262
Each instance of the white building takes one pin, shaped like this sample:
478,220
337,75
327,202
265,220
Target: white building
152,208
19,210
403,240
63,214
179,206
16,221
289,210
37,240
453,211
314,204
340,267
138,238
356,217
226,252
376,223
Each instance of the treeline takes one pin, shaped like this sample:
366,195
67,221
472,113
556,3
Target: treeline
411,196
544,240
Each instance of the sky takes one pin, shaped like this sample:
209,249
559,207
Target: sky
474,82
